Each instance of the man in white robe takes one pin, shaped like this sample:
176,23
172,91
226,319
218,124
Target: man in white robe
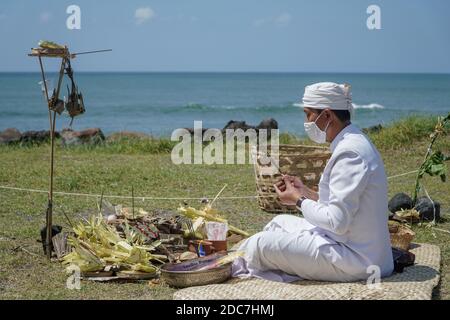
344,234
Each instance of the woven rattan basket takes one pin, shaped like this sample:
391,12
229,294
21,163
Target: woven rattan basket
402,238
305,162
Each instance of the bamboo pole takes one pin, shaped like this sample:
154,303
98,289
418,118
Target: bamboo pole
49,212
49,216
46,90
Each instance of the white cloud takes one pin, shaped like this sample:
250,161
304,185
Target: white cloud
283,19
45,17
280,21
144,14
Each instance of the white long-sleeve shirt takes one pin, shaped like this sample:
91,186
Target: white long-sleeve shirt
352,206
342,236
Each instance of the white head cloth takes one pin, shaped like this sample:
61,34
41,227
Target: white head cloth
325,95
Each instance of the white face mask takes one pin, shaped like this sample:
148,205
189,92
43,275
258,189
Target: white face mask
314,132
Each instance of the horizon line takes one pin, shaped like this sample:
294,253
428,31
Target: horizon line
246,72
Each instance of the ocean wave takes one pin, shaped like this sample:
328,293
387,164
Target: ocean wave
14,113
234,108
356,106
289,108
194,106
368,106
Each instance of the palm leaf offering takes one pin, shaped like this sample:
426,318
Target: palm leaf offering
133,242
97,245
209,214
45,44
122,239
409,215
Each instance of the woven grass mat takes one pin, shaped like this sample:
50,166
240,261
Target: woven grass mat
415,283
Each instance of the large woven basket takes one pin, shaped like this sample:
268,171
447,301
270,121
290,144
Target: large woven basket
305,162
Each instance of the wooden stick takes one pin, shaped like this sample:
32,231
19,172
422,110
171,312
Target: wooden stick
73,55
67,217
218,194
132,200
61,76
100,207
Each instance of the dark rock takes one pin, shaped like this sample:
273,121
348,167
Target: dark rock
10,135
37,136
268,124
425,208
234,125
373,129
400,201
55,230
88,136
239,125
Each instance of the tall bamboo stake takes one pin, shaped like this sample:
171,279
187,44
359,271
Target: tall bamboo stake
51,101
52,122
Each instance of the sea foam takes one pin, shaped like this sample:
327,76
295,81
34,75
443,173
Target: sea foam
368,106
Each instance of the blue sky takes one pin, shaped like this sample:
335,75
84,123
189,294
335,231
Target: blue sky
234,35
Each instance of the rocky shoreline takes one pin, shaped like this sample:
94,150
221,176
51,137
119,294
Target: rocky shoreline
70,137
67,136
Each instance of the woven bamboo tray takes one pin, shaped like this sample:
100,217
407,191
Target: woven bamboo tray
305,162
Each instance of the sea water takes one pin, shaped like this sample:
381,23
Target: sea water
158,103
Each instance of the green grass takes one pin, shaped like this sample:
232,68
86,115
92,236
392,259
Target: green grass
404,132
145,164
